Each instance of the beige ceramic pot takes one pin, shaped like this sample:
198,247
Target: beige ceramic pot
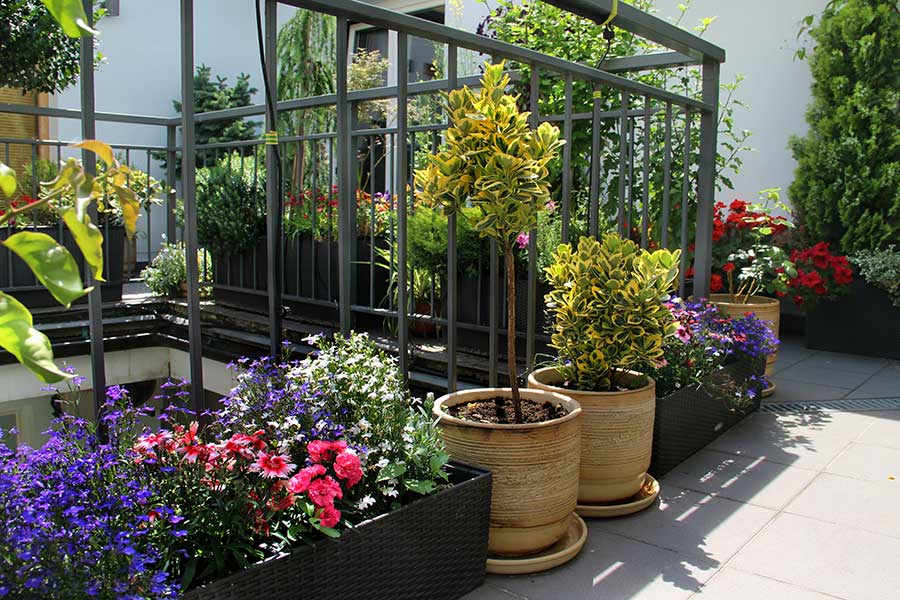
534,466
767,309
616,436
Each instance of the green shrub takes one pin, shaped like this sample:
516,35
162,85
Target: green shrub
231,205
881,268
427,235
847,185
168,270
607,304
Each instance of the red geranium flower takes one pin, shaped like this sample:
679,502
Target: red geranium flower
329,516
728,267
347,467
715,283
323,491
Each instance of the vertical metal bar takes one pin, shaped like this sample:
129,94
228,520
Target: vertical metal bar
667,179
707,179
149,223
372,217
531,320
346,200
567,161
402,162
452,309
594,215
314,210
645,180
623,166
88,131
188,183
273,185
685,198
171,196
494,306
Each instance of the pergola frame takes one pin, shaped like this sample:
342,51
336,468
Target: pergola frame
684,49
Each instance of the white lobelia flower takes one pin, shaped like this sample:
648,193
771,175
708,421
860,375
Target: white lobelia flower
390,492
382,463
365,503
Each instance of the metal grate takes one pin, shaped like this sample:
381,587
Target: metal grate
861,404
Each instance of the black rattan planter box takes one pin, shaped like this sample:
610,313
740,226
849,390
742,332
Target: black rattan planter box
434,548
688,419
862,322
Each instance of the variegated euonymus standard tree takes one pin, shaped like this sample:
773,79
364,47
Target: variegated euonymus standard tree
496,163
49,260
607,303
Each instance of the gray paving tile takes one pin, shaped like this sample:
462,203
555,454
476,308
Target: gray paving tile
744,479
490,592
829,558
701,525
883,384
884,431
805,440
846,362
810,371
789,390
611,567
864,461
869,505
731,584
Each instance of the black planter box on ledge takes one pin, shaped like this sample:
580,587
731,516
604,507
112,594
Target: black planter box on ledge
690,418
861,322
434,548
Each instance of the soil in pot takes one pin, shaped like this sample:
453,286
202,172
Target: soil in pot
500,410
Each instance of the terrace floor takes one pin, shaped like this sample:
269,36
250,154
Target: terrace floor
798,501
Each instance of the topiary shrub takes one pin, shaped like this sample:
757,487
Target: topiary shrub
608,307
847,184
231,205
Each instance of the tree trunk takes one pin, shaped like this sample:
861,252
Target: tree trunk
511,331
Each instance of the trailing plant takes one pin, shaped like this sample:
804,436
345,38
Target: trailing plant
847,182
231,205
820,275
881,268
36,54
494,162
607,303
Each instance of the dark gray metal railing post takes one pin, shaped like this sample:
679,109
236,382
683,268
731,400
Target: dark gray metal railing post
707,179
685,200
567,161
345,177
402,172
645,179
452,71
623,165
273,185
88,132
531,319
188,183
171,176
667,179
594,214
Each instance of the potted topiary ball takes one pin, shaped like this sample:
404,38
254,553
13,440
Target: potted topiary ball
609,323
493,170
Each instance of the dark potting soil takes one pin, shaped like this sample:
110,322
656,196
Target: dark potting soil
500,410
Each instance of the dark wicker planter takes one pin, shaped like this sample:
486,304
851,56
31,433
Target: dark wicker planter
861,322
434,548
18,280
688,419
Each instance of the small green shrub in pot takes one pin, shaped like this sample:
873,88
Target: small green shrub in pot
231,205
168,270
881,268
607,305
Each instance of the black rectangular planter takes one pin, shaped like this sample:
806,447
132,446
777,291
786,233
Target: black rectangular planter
17,279
688,419
861,322
434,548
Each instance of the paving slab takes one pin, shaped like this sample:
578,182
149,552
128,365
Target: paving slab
846,362
883,384
868,505
731,584
789,390
825,557
884,430
708,528
744,479
865,461
820,374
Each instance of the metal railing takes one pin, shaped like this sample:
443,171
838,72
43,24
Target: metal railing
627,189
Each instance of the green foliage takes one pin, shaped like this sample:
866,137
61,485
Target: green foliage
35,53
168,271
847,183
51,263
608,307
231,205
427,242
881,268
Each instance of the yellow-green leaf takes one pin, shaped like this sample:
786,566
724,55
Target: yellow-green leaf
100,149
88,238
7,180
27,344
70,16
131,209
51,263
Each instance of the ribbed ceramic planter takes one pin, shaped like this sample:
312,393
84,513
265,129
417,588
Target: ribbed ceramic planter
766,309
616,436
534,468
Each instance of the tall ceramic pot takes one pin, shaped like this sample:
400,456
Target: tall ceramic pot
616,435
766,309
534,468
